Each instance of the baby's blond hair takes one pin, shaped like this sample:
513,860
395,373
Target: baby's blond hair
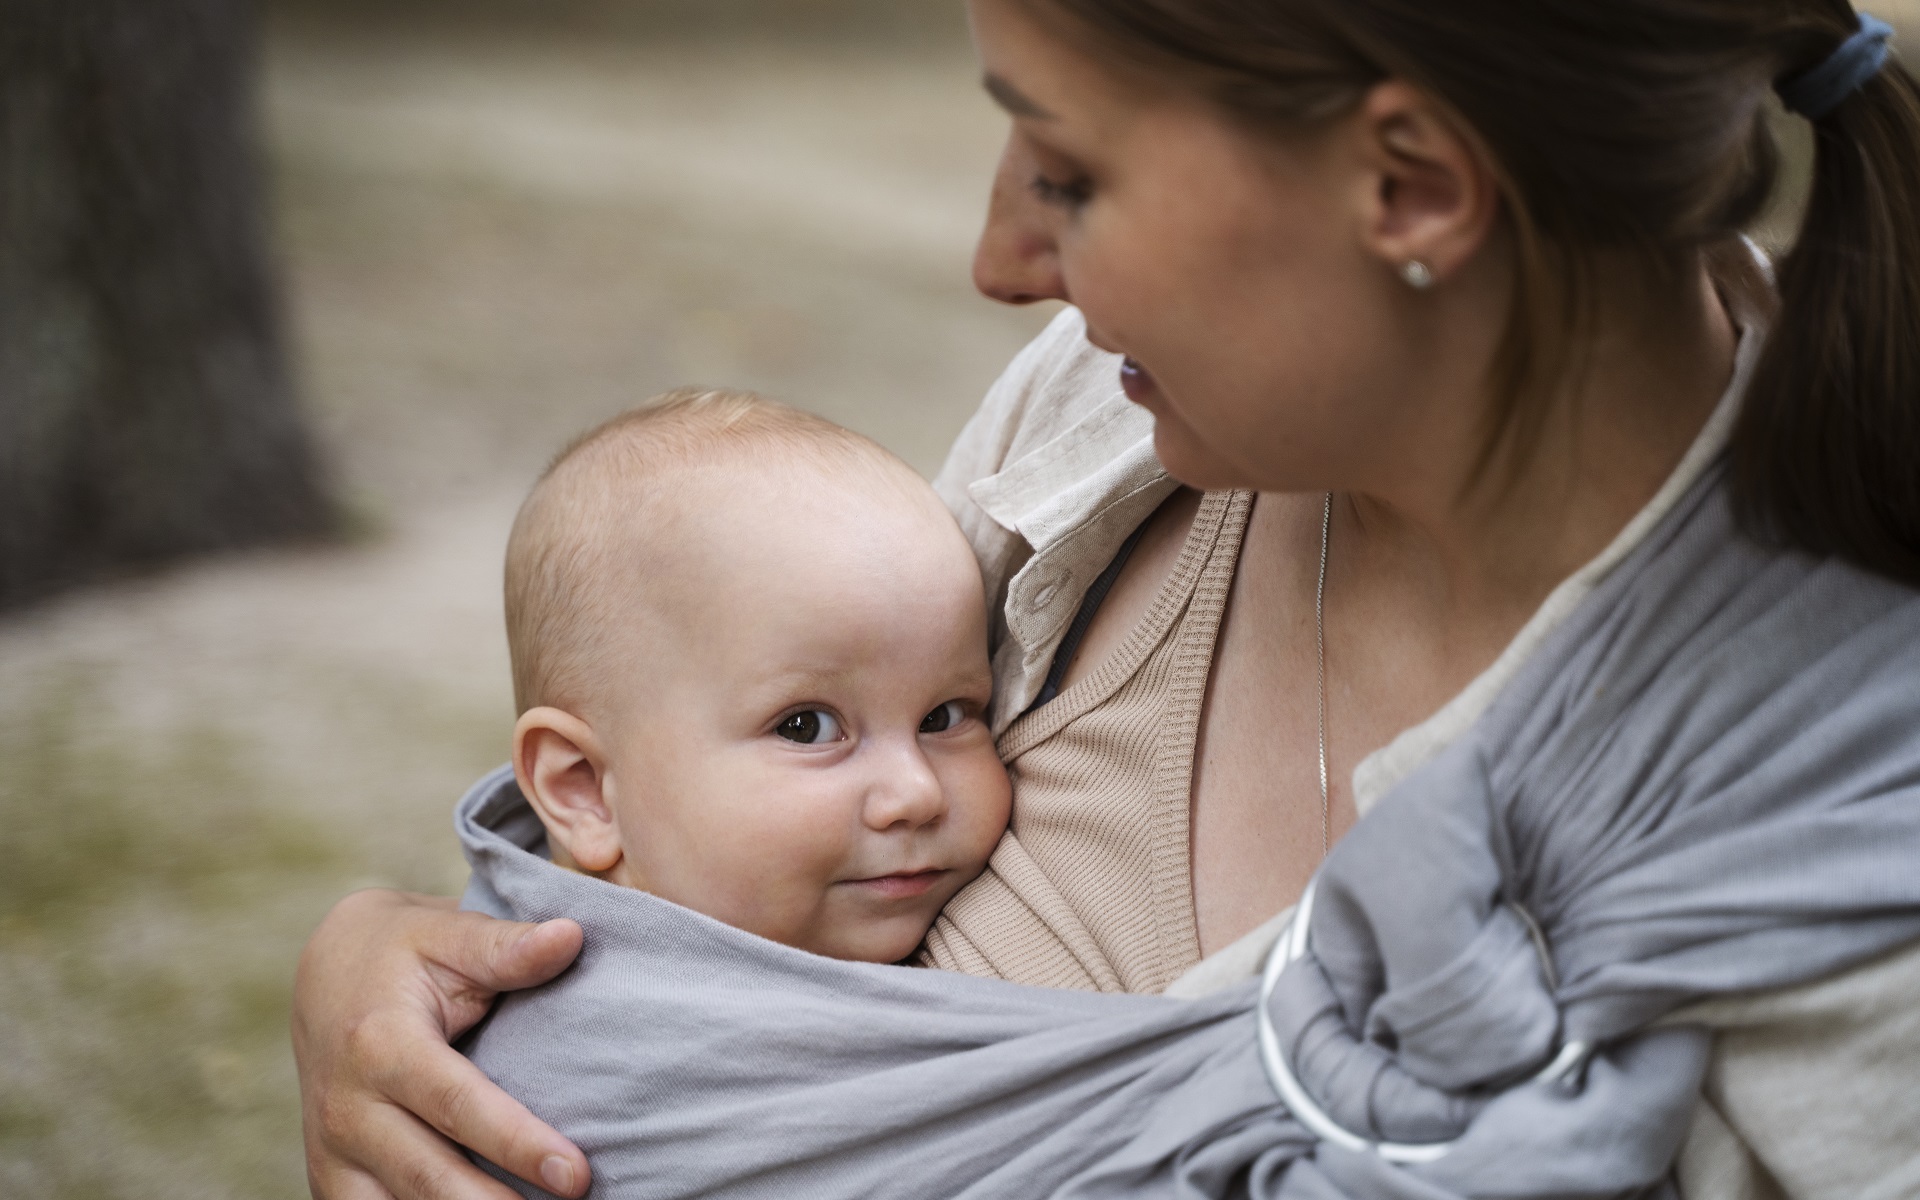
568,575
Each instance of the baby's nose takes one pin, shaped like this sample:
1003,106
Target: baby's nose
907,792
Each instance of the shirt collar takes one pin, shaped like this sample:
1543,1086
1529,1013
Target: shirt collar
1048,493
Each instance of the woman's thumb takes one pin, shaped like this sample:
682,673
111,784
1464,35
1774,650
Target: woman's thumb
503,956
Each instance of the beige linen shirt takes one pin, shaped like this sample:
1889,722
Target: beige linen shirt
1813,1093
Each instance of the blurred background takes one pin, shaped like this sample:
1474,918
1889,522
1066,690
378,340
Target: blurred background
294,303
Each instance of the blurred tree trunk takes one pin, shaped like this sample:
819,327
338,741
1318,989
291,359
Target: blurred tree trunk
146,411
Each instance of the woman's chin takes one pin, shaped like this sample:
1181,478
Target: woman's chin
1192,463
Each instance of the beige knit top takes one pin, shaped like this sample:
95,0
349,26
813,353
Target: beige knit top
1092,886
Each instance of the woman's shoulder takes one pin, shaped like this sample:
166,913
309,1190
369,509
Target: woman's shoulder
1851,1040
1049,478
1057,462
1053,385
1054,381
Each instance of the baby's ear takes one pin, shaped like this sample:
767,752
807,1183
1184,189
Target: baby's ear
561,771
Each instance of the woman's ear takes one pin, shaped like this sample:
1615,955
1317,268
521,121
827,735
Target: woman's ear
563,774
1434,197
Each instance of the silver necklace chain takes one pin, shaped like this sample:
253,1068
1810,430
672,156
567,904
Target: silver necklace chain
1320,644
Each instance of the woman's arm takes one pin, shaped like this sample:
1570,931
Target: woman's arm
385,983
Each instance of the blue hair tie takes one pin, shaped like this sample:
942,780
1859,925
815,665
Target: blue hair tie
1814,94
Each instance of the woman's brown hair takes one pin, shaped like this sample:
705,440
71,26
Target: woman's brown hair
1641,126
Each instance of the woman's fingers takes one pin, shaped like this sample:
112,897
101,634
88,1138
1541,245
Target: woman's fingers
335,1182
373,1146
384,984
441,1087
415,1163
474,958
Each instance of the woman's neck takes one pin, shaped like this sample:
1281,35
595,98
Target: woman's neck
1485,554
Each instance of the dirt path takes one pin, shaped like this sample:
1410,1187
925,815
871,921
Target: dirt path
489,244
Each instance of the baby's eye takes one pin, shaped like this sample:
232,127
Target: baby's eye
943,718
810,728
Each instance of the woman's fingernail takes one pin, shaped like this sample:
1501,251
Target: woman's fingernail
557,1174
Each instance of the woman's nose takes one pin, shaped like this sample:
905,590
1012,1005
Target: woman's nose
1017,260
908,792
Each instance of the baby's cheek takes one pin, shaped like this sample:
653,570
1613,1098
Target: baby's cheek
983,802
806,857
782,853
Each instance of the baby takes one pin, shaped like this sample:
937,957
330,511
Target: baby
750,658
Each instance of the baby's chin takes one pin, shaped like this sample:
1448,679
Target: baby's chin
890,939
876,942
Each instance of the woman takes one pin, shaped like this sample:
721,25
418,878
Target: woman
1470,270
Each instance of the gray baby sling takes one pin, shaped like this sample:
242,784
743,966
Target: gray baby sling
1707,782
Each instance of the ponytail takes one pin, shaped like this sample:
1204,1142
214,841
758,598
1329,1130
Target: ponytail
1827,452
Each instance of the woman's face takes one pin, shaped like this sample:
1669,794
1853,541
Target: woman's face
1228,265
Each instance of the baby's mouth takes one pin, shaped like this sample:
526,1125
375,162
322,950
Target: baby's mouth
902,885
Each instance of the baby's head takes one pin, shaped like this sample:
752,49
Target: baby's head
750,657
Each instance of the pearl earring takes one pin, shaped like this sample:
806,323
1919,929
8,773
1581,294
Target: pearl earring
1418,275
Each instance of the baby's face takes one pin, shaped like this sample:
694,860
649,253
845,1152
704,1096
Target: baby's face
801,751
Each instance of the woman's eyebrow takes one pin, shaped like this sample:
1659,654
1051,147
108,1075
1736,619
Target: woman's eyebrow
1013,99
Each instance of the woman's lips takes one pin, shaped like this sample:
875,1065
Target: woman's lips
1138,383
903,886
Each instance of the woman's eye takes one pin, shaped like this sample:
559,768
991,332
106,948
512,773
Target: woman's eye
943,718
810,728
1072,194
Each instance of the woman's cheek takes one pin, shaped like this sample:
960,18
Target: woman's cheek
1103,280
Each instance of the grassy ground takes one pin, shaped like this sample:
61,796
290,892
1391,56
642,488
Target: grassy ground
489,242
144,960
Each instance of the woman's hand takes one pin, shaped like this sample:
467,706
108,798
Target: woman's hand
385,983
